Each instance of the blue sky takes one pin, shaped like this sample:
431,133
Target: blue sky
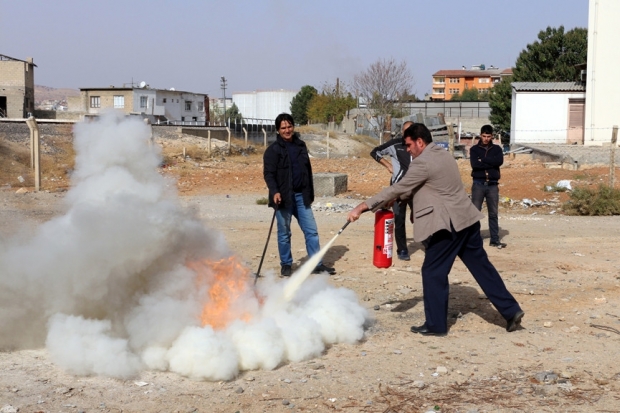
267,44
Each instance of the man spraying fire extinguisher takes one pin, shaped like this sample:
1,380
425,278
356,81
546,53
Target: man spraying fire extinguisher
448,225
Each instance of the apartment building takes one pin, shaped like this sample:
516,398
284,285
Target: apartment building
16,87
159,105
447,83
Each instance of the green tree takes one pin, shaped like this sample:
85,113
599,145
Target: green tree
552,58
299,104
331,104
233,113
471,95
500,101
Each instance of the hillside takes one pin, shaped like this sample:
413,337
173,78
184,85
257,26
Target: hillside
43,93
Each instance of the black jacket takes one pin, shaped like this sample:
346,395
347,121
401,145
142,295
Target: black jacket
485,162
278,173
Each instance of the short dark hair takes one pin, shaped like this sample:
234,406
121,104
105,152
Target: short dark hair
486,129
284,117
418,130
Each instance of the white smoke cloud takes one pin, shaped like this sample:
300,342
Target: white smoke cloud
110,287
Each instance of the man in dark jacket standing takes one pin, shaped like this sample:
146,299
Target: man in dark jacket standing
397,165
486,158
288,175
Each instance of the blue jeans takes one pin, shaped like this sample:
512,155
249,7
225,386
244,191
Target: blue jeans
306,221
480,192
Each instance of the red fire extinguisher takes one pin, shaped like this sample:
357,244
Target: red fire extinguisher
384,230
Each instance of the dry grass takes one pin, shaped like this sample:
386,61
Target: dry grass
55,166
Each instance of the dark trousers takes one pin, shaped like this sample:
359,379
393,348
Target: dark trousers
400,224
442,248
480,192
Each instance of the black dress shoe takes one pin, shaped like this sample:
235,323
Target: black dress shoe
515,321
324,268
423,329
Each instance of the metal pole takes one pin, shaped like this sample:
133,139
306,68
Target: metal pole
35,151
327,140
264,137
245,132
223,84
612,156
209,141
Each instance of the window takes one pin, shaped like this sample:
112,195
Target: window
95,101
201,106
439,80
441,91
164,100
454,80
119,102
188,105
484,80
143,101
454,91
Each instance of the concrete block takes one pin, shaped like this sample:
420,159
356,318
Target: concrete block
329,184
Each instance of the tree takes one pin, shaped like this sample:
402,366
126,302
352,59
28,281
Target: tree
299,104
552,58
331,104
471,95
382,86
233,113
500,101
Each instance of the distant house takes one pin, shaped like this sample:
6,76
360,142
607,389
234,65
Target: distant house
16,87
547,112
159,105
447,83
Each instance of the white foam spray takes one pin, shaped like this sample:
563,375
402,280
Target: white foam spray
112,286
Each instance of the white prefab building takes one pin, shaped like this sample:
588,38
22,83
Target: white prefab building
603,89
264,104
547,112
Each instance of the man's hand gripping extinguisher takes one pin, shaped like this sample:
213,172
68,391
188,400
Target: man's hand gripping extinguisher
384,238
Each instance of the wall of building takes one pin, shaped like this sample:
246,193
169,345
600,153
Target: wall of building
267,104
17,85
540,117
602,85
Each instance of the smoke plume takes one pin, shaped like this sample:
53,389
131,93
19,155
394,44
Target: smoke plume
128,280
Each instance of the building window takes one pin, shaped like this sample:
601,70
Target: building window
201,106
119,102
441,91
454,80
188,105
484,80
95,101
164,100
439,80
454,91
143,101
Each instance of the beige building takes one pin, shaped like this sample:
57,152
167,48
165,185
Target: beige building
16,87
159,105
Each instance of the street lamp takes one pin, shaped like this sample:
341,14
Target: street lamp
223,85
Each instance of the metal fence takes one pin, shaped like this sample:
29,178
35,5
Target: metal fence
450,109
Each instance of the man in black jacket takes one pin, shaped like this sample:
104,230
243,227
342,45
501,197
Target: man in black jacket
397,165
288,175
486,158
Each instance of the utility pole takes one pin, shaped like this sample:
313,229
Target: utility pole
223,85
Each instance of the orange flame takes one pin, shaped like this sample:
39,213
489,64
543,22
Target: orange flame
227,281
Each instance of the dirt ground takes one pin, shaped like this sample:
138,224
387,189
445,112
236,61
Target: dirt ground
564,271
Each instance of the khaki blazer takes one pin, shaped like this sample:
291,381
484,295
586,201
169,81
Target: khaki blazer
439,199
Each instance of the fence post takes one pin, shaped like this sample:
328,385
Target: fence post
327,140
264,136
612,156
209,142
35,151
451,139
228,130
245,132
